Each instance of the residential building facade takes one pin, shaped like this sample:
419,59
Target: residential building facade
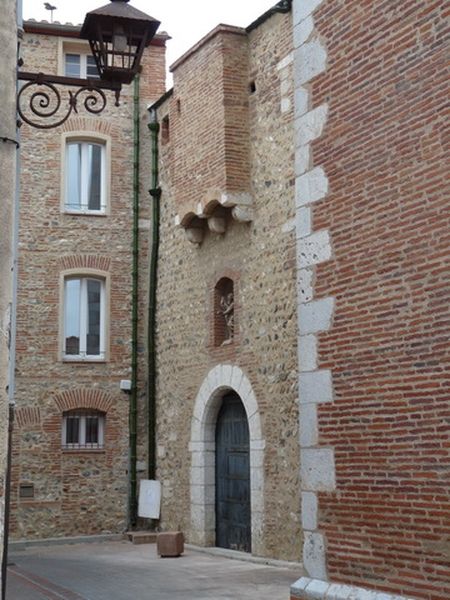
78,192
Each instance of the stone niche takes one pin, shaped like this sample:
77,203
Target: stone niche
209,134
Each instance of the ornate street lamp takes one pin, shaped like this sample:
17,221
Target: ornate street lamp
117,34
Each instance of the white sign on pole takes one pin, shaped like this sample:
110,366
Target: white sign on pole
149,499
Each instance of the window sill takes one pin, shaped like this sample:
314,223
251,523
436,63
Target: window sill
30,502
84,361
85,213
83,451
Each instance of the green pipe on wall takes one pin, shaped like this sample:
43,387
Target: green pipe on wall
132,498
155,193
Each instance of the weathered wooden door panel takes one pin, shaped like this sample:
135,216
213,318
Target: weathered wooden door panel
233,518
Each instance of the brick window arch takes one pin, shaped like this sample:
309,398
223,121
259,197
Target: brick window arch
77,398
223,321
84,415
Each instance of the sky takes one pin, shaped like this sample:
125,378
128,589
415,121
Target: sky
186,21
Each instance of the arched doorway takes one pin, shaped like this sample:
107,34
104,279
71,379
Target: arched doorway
232,476
220,381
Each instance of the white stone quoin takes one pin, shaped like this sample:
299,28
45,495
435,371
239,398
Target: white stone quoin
315,385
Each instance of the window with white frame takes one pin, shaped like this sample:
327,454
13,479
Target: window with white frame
83,429
84,318
85,177
80,65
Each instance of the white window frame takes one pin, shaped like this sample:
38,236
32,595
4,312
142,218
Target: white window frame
83,323
83,63
81,444
84,200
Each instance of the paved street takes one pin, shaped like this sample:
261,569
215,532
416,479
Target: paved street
120,570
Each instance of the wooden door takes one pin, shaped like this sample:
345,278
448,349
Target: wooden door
233,517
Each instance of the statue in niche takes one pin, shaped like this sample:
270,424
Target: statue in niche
227,310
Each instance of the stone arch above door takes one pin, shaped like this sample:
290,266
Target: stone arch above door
220,379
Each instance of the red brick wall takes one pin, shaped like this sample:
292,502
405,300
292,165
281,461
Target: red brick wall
209,119
384,151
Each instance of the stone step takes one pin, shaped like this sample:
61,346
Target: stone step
141,537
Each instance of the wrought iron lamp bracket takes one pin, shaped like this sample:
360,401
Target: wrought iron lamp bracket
45,101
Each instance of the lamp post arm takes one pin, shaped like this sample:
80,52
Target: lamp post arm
44,97
90,83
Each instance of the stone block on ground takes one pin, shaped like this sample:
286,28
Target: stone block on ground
170,544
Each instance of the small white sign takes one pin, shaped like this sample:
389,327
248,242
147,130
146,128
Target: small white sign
149,499
125,385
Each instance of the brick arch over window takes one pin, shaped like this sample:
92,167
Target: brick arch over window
85,261
220,380
83,398
90,126
29,416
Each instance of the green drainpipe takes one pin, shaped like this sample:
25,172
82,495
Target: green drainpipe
155,193
132,499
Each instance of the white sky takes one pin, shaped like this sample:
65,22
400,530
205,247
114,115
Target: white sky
186,21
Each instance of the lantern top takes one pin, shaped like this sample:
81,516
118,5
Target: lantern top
122,10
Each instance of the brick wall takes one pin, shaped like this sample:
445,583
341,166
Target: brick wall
259,258
76,492
215,122
384,150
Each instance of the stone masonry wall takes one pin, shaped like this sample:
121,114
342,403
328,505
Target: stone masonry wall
260,258
381,69
8,42
76,492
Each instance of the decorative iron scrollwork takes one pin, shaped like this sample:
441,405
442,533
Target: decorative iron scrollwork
46,103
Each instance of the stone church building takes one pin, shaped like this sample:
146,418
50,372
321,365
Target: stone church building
280,300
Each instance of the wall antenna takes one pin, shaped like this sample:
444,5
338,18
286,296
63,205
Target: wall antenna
51,8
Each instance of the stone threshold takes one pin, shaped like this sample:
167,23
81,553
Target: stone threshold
16,545
316,589
141,537
244,556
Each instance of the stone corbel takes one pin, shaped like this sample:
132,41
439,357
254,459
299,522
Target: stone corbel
217,222
195,234
240,204
193,226
242,214
214,211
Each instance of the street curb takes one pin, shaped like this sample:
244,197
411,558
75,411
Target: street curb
81,539
307,588
242,556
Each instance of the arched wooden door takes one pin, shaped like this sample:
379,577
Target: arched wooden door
233,516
